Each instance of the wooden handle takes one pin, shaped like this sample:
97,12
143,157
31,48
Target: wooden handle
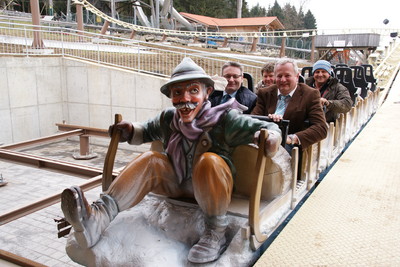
255,197
110,156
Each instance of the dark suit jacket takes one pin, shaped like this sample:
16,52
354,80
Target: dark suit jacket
244,96
303,106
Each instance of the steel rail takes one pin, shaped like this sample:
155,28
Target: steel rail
18,260
84,129
44,203
42,162
44,139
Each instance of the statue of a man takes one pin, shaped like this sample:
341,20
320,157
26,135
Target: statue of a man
198,142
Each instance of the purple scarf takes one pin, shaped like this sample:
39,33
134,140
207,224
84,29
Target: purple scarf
207,117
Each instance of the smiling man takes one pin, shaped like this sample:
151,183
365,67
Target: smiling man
268,76
233,73
293,101
335,98
198,142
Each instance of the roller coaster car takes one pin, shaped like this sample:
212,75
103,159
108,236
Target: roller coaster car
263,196
345,77
249,78
369,75
264,183
360,80
306,72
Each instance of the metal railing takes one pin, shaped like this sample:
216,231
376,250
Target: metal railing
297,43
154,58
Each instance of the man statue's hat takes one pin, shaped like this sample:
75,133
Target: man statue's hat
185,71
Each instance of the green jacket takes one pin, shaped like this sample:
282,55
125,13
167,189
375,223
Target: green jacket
232,130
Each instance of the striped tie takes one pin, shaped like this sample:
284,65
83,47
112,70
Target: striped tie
282,104
225,98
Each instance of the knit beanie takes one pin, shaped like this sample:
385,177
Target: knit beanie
322,64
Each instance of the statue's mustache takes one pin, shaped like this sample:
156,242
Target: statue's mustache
189,105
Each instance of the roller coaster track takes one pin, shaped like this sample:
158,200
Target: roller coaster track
94,10
168,32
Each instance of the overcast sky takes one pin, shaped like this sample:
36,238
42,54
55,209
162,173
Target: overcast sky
340,14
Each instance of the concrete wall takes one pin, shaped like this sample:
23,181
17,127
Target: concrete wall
37,92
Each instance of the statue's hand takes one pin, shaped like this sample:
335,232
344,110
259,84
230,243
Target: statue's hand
272,143
126,129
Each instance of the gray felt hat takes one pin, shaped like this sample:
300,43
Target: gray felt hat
185,71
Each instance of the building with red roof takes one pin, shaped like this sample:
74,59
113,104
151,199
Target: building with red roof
256,24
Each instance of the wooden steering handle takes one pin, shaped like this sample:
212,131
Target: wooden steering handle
110,156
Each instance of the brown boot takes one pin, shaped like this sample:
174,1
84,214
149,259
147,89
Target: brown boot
212,243
88,221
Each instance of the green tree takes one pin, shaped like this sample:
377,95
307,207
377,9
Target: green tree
210,8
276,11
300,19
309,21
258,11
290,17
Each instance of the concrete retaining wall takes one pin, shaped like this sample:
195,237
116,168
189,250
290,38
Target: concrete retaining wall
37,92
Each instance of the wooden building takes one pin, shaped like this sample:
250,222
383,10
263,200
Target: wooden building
256,24
340,45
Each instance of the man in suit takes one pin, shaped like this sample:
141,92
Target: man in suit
293,101
233,73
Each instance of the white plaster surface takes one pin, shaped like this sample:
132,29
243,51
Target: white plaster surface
5,98
128,114
78,114
49,84
148,93
25,122
49,114
145,114
158,233
6,128
123,88
37,93
99,116
22,87
77,84
99,87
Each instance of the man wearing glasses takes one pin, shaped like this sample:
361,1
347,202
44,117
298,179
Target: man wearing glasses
233,73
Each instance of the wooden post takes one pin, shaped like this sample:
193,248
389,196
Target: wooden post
225,44
79,20
283,46
312,57
133,34
254,44
84,149
84,145
105,27
37,39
